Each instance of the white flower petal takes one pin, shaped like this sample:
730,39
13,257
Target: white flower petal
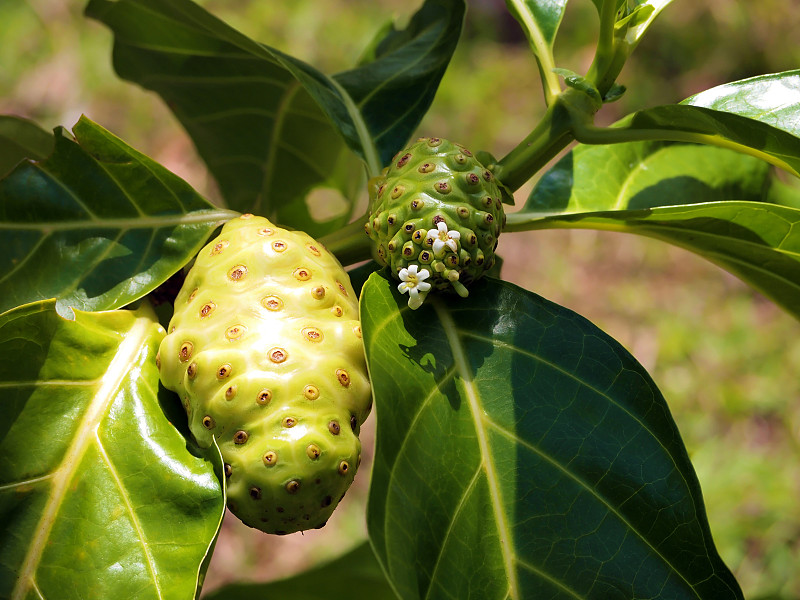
442,227
452,245
438,246
403,287
412,269
413,292
432,233
403,274
454,235
415,303
423,275
423,286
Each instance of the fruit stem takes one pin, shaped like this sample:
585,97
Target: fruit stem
350,244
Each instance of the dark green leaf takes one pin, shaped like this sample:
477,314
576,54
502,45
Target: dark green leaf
522,453
540,22
100,496
21,139
353,576
97,224
271,128
394,91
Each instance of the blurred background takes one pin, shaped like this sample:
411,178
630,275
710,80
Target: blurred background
726,359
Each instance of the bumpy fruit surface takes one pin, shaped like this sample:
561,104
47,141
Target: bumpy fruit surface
436,214
265,350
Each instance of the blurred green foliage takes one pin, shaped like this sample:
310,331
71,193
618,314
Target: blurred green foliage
725,358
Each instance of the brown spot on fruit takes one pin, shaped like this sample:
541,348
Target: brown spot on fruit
344,467
272,303
313,249
237,273
208,422
337,311
343,377
158,360
334,427
357,331
318,293
263,397
404,160
185,351
270,459
265,231
313,451
289,422
312,334
341,287
311,392
434,141
326,501
255,493
353,422
207,309
293,486
235,332
240,437
426,167
230,393
219,247
462,212
224,371
487,175
279,246
472,179
417,204
192,295
246,216
443,187
301,274
228,470
278,355
191,370
397,191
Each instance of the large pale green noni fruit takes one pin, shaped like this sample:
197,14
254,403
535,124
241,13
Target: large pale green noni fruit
265,350
435,217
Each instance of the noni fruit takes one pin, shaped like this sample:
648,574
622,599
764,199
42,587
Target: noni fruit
265,350
435,216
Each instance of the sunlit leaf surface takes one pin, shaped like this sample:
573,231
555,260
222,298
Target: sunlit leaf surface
100,496
708,200
97,224
522,453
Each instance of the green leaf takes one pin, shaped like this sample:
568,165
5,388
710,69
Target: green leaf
100,496
21,139
97,224
540,22
758,116
271,128
643,175
353,576
771,99
522,453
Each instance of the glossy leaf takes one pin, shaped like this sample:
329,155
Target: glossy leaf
271,128
643,175
97,224
20,139
708,200
356,575
100,496
771,99
757,116
522,453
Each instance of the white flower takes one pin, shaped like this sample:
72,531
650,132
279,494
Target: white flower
442,238
414,283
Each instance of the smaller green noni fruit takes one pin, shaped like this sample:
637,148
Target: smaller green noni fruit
265,350
435,217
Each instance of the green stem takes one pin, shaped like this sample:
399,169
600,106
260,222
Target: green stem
350,244
599,71
550,137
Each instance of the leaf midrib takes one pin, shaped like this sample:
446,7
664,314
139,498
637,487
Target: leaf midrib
504,533
126,224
